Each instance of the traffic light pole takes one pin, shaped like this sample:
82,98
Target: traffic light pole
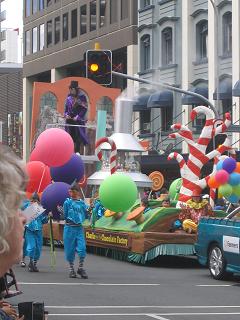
171,88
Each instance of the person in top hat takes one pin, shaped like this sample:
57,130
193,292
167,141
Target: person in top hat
76,107
75,212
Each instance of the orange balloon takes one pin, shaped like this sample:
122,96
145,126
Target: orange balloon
237,167
212,183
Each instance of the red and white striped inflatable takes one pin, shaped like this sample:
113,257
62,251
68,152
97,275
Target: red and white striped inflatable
191,171
113,155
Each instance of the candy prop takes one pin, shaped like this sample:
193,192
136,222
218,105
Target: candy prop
118,192
116,215
191,170
113,155
189,226
137,215
158,180
175,188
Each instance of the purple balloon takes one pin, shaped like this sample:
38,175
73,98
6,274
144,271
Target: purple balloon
229,164
53,196
70,171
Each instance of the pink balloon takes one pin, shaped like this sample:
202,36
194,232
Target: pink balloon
38,176
222,176
54,147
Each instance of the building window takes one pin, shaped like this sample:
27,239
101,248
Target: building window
65,27
41,37
167,44
102,20
201,40
146,3
145,52
227,34
93,8
49,3
113,11
57,30
27,42
83,19
34,40
27,8
145,124
124,9
166,118
49,33
41,5
34,6
74,23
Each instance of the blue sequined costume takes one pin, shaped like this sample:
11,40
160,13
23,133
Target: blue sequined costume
33,236
75,212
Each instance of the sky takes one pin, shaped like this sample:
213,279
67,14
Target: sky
14,13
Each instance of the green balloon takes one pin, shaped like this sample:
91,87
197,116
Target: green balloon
175,188
118,192
236,190
225,190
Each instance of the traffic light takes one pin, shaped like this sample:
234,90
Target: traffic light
99,66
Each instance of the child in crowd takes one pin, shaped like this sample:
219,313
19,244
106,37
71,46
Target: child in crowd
145,204
33,238
166,203
75,212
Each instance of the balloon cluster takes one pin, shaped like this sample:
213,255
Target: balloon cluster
53,166
227,179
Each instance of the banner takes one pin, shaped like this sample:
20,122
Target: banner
107,239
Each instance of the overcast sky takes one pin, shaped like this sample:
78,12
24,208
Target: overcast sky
14,13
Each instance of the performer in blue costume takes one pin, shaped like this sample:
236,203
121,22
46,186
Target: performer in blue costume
97,209
25,203
75,212
34,237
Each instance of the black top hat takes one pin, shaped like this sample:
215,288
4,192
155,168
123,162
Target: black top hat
73,85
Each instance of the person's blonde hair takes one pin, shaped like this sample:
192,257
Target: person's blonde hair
13,180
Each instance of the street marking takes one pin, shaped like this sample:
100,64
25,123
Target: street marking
88,284
144,314
214,285
156,317
138,307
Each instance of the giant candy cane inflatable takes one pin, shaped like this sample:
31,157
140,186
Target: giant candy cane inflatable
113,155
191,170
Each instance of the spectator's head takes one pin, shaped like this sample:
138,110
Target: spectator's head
12,184
144,202
166,203
73,88
164,191
196,196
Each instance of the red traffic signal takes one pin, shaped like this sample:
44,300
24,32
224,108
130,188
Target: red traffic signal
99,66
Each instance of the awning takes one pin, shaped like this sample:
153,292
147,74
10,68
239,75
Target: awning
224,90
189,100
161,99
236,89
140,103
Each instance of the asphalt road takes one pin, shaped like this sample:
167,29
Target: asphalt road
172,288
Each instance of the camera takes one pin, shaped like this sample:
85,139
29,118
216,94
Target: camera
32,310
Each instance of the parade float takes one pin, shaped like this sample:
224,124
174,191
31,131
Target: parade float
127,231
